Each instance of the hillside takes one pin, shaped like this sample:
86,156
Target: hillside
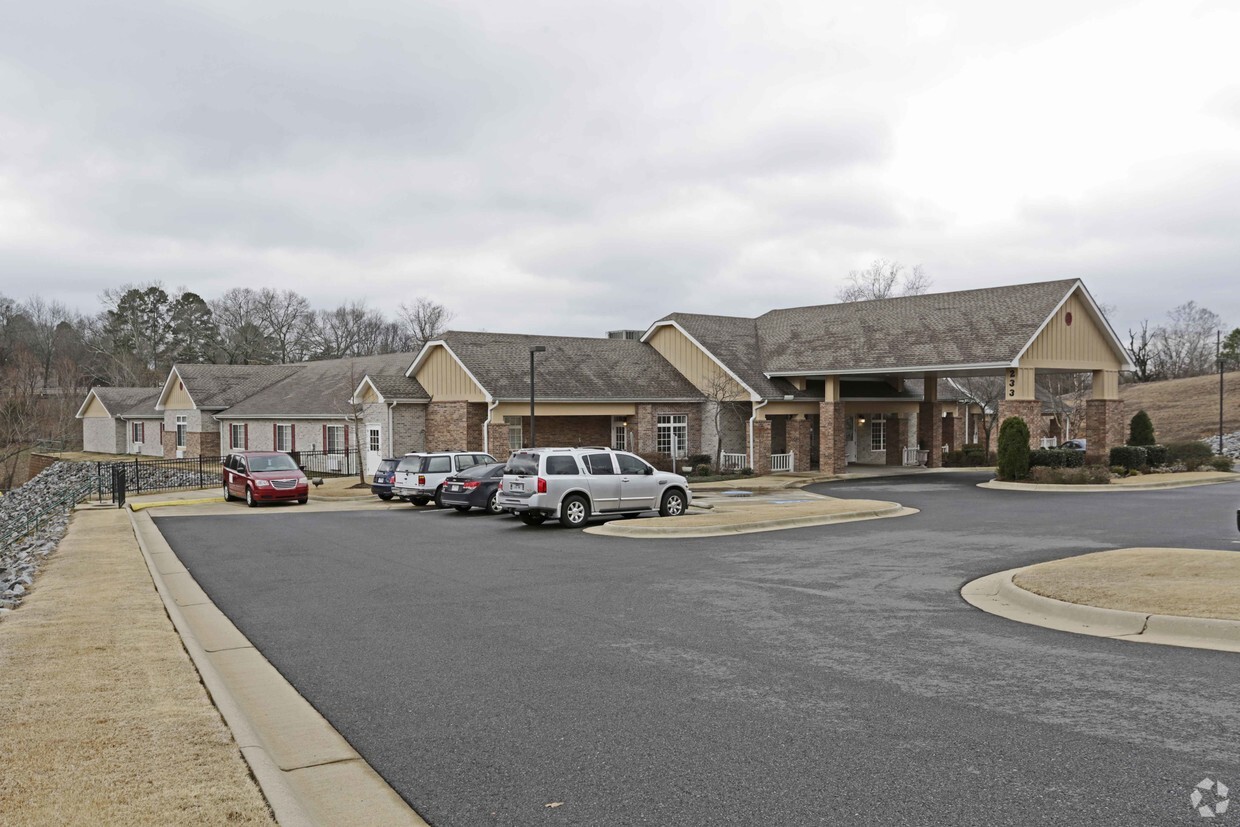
1186,408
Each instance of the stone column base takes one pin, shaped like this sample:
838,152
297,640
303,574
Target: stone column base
831,458
761,447
1029,410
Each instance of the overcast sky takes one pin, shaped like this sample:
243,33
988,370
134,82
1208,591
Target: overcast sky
572,167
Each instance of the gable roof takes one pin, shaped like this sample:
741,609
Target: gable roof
573,368
124,403
215,387
322,389
394,387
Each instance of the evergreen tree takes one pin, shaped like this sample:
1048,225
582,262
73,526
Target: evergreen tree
1013,449
1141,430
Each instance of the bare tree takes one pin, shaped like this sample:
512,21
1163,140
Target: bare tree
289,321
1141,349
986,392
50,323
423,321
884,279
1067,394
723,397
1185,345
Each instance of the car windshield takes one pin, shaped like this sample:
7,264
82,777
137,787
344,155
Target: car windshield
282,462
522,464
386,465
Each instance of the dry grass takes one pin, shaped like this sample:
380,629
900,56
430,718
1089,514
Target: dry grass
1185,409
335,487
1167,581
104,718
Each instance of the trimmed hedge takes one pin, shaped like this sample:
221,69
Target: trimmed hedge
1129,457
1156,455
1056,458
1193,455
661,462
971,457
1013,449
1083,475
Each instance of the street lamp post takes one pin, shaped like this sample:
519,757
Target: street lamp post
533,429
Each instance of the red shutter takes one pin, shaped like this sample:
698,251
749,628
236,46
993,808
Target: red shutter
292,437
246,435
275,437
325,437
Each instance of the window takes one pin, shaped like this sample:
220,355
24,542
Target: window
630,464
515,437
561,466
373,442
335,439
182,429
139,431
437,465
672,435
600,464
878,434
284,437
236,436
619,434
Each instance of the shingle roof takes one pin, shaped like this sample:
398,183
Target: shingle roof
129,402
321,388
398,386
734,341
220,386
968,327
572,368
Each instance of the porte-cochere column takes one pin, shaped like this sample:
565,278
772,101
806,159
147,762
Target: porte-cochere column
1020,400
1104,418
831,458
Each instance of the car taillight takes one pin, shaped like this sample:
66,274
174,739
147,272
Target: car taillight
542,486
470,486
421,479
501,486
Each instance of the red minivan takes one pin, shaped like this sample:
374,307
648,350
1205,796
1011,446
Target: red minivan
264,476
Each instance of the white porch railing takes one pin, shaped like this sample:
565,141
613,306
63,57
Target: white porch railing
1050,442
915,456
781,463
732,462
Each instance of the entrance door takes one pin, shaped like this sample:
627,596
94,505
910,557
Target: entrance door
374,448
850,439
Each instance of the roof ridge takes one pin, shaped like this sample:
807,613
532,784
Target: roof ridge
973,290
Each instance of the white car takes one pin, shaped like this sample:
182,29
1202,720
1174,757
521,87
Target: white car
419,477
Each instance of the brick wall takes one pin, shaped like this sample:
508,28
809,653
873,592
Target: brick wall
1029,410
831,438
798,443
455,426
1104,429
897,438
568,431
408,429
930,432
761,446
41,462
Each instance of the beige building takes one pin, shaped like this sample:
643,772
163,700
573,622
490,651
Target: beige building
806,388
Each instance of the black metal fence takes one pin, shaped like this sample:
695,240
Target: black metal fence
344,463
145,476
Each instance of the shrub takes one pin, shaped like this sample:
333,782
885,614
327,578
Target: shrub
953,459
1084,475
1055,458
1192,455
971,457
1221,463
1156,455
1013,449
702,470
1141,430
1119,470
747,471
1129,457
699,459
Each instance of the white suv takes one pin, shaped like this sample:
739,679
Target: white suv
575,484
419,477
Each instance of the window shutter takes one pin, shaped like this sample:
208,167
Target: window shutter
246,435
275,437
346,439
292,436
325,436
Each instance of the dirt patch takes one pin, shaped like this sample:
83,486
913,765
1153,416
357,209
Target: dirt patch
1166,581
105,717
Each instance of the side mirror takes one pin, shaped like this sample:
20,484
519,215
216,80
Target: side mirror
649,471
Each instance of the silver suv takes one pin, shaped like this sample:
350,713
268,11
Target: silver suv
575,484
419,477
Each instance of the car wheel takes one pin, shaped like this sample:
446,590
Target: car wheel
574,512
419,501
249,498
385,497
461,508
493,504
438,498
228,497
673,504
303,500
530,518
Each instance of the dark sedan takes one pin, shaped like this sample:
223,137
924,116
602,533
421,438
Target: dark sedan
474,487
384,476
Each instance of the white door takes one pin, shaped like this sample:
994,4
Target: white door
850,439
374,448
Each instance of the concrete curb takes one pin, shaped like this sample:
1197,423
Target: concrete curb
669,532
300,761
998,595
1113,489
170,503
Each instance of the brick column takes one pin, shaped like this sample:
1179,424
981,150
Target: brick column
1029,410
798,442
930,432
760,450
1104,429
497,439
643,430
170,444
831,438
897,439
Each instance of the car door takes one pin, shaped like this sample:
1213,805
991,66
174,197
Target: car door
603,481
238,476
639,488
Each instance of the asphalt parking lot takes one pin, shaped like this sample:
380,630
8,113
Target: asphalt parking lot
826,675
